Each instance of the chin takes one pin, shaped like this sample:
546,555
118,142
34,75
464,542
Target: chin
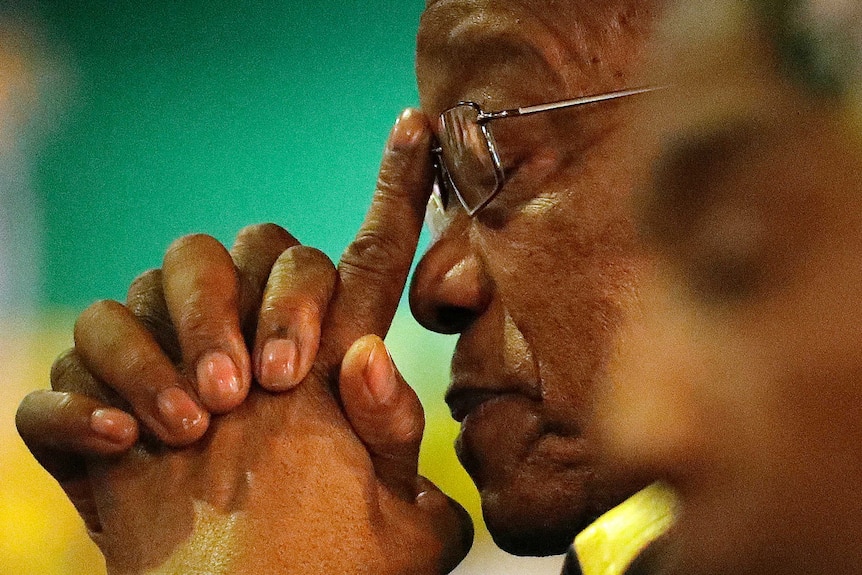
540,513
538,518
532,540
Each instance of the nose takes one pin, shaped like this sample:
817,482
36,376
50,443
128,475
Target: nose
450,288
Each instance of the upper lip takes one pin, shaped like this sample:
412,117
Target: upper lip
478,379
463,401
464,398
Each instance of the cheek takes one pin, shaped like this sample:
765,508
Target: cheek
568,288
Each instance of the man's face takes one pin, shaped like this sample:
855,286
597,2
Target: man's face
741,387
538,283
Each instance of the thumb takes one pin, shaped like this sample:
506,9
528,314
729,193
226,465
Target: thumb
387,417
451,523
385,414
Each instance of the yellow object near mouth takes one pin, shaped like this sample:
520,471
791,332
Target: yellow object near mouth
614,540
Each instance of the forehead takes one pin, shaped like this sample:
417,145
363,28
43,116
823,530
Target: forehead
519,52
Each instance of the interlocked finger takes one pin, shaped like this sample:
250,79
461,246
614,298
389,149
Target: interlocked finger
294,305
117,349
254,253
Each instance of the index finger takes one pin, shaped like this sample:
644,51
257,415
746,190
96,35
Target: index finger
374,267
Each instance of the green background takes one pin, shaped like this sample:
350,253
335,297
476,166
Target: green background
205,116
158,119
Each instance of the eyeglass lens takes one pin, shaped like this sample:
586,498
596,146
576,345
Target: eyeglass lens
466,157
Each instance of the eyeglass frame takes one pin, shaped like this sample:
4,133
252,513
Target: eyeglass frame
484,118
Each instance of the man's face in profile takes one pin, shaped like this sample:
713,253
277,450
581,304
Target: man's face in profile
537,283
742,388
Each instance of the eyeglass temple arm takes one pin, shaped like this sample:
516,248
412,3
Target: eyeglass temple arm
527,110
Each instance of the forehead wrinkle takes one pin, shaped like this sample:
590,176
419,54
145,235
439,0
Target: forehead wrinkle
464,35
529,34
574,41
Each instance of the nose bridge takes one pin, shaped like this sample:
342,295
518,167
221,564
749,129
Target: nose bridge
450,287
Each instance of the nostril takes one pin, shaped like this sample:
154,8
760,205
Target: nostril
449,288
453,319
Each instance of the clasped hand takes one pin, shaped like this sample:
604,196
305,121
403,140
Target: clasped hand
295,453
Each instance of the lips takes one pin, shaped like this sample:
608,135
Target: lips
508,427
466,395
496,430
498,405
463,402
500,419
491,421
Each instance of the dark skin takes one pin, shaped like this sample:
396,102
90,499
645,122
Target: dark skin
247,479
536,324
537,284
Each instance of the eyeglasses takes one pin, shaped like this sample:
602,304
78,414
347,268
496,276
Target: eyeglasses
467,160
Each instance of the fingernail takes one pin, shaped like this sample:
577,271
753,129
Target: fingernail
380,374
113,425
218,376
407,130
278,364
178,410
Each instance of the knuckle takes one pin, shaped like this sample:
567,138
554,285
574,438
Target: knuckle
160,327
393,184
24,415
267,232
41,414
199,320
63,407
255,251
146,299
374,253
145,291
185,242
306,257
193,320
100,308
95,314
138,367
279,316
302,270
189,245
299,289
399,163
65,367
402,171
146,282
156,321
69,374
407,432
408,428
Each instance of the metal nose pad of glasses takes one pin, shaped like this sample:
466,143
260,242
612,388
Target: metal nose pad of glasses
436,217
